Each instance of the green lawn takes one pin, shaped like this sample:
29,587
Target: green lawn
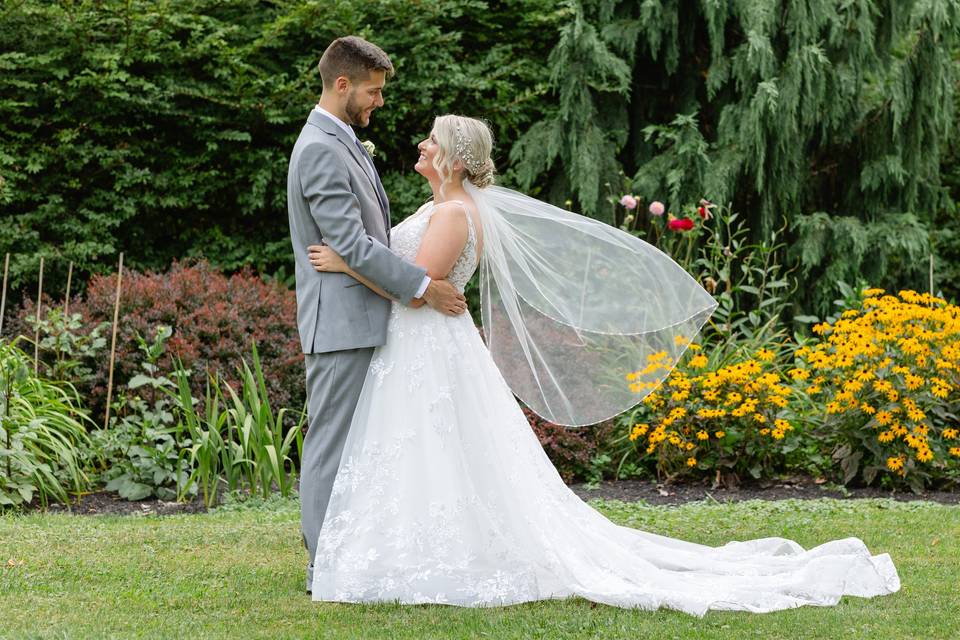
238,573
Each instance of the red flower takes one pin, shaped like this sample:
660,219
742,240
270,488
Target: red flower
680,224
705,209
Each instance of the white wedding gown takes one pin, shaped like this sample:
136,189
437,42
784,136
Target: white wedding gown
444,495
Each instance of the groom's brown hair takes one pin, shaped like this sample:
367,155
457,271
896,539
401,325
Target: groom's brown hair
353,57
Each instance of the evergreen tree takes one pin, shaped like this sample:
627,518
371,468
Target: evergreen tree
798,109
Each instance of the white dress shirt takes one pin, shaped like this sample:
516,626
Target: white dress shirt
353,136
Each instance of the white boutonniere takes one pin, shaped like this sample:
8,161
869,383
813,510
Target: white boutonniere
370,147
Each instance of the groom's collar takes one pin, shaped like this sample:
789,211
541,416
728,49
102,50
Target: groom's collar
329,123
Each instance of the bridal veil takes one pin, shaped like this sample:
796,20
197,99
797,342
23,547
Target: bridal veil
571,305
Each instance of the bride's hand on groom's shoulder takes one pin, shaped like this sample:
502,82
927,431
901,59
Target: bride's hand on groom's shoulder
323,258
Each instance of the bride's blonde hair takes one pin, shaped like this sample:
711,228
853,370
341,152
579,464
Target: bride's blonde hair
468,140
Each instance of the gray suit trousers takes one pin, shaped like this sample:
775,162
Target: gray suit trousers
334,382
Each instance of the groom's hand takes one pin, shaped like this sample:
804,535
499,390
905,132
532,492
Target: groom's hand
444,297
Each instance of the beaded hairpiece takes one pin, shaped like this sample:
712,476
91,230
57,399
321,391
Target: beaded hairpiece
465,153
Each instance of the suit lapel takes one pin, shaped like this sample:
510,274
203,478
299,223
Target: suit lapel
381,194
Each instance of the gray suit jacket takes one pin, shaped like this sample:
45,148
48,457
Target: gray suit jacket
333,197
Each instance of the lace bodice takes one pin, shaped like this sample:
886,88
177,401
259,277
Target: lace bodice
407,236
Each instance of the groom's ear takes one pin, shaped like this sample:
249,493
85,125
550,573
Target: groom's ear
342,84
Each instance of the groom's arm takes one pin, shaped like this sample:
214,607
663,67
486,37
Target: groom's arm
336,211
438,293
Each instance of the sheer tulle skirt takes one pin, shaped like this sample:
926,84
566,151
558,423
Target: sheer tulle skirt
444,495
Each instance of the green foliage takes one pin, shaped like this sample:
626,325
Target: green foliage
780,108
747,278
68,350
42,434
946,238
242,445
144,460
582,133
890,252
750,283
209,456
140,451
260,433
167,443
163,129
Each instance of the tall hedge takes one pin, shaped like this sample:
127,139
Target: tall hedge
163,128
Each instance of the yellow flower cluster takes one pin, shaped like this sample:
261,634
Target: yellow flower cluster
656,362
886,368
686,411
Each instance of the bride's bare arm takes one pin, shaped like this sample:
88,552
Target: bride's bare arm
323,258
443,241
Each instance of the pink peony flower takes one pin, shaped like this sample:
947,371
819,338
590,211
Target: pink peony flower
680,224
656,208
629,202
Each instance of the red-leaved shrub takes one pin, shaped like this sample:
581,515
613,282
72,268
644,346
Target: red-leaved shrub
570,450
215,320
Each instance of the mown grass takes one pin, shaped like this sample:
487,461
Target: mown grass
238,573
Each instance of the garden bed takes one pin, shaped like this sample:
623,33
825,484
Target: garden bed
106,503
800,488
804,488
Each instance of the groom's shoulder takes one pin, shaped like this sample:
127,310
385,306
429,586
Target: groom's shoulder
316,154
313,141
312,133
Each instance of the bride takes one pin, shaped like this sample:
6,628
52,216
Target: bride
444,494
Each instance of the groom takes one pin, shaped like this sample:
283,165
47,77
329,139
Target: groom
335,197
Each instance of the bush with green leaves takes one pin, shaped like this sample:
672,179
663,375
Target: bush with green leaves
140,452
69,348
747,277
43,440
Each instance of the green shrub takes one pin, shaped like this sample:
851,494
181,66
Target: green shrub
242,446
140,452
42,435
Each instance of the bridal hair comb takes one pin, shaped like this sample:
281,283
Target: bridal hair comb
465,153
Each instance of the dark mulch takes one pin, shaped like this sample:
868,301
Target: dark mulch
802,488
104,503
